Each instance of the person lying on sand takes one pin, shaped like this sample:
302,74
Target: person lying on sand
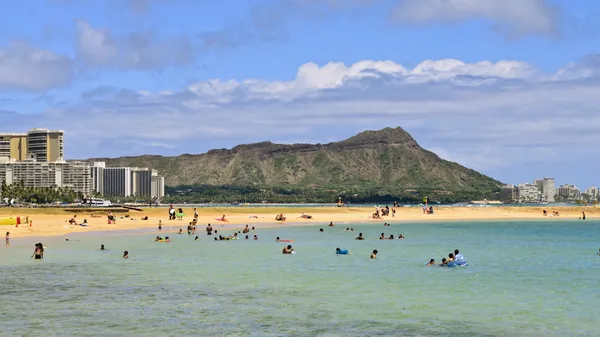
73,220
306,216
280,217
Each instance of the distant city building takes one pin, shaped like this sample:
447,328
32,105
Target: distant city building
546,187
117,181
41,144
74,174
568,192
13,146
529,193
45,145
592,192
127,181
97,174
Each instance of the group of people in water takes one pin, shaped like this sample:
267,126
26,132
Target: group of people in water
454,259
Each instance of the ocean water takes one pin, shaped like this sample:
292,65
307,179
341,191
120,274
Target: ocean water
535,278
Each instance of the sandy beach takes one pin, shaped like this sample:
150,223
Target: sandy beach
52,222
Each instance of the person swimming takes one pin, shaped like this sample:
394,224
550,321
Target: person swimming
339,251
321,230
277,240
102,247
450,257
444,262
382,236
196,238
374,254
400,236
360,237
255,237
125,254
331,224
391,237
431,262
287,249
458,256
167,239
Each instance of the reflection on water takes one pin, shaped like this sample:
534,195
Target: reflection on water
514,286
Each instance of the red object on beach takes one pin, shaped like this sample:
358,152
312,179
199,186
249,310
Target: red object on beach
18,220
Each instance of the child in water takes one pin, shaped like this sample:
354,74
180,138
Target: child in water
431,262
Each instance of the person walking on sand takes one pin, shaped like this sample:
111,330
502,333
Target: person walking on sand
7,239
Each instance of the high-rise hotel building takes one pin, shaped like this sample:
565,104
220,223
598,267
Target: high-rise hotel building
43,145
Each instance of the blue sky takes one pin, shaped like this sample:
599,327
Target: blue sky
507,87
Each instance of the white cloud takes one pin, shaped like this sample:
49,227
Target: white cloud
515,17
495,117
24,67
100,47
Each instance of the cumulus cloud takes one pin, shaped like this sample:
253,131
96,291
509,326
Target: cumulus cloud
517,18
100,47
494,117
26,68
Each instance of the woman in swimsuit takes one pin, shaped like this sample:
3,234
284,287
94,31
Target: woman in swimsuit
38,253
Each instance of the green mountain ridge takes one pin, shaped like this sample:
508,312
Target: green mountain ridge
389,158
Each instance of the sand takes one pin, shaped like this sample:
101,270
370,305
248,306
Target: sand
53,222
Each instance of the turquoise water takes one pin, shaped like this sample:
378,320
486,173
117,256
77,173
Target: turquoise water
523,279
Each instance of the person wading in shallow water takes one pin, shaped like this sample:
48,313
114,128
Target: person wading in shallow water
38,253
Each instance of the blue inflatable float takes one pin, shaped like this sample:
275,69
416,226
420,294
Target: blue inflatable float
459,263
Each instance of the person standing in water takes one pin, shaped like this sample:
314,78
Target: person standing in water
160,225
7,239
374,254
102,247
125,254
38,253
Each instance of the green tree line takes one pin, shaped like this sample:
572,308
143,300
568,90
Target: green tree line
253,194
40,195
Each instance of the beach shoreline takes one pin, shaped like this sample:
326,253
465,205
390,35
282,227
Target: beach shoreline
54,222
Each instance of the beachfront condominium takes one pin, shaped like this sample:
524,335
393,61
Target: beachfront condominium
73,174
13,146
546,187
528,193
42,144
117,182
127,181
97,174
45,145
